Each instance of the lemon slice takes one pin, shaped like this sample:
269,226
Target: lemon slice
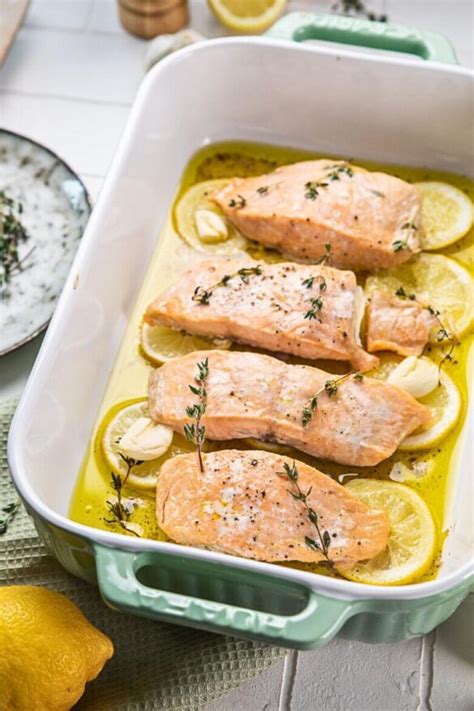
198,199
447,214
160,344
412,539
142,476
435,280
247,16
444,403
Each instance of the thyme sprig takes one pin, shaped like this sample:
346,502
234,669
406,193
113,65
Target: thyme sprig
399,244
239,203
203,296
324,258
329,388
316,302
12,234
119,510
313,187
195,432
442,334
323,541
7,513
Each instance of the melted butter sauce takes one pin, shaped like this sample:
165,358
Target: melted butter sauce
129,378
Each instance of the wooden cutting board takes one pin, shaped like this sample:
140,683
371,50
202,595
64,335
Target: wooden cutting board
12,13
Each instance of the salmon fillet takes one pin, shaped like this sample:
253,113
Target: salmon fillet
398,325
254,395
242,506
308,311
370,220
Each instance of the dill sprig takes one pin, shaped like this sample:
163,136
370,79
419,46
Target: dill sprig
195,432
203,296
329,388
12,233
119,510
7,513
323,540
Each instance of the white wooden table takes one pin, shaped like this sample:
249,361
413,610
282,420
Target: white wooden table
69,82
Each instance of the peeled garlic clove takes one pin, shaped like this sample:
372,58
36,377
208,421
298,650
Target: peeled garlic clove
210,226
400,472
163,45
145,440
418,376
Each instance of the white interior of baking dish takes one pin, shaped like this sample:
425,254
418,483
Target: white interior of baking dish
335,101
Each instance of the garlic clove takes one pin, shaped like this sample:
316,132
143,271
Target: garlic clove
401,473
145,440
418,376
210,226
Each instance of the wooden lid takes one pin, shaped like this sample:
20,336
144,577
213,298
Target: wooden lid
149,18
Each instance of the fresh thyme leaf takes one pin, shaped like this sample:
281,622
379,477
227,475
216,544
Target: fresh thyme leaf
195,432
203,296
323,538
238,204
378,193
316,305
330,388
400,244
324,259
409,226
262,190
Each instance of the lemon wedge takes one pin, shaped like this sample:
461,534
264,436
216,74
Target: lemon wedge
437,281
247,16
142,476
412,539
160,344
195,223
444,403
447,214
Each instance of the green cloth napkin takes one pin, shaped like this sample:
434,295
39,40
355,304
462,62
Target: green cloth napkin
155,665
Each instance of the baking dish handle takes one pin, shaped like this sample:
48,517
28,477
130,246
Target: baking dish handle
118,573
301,26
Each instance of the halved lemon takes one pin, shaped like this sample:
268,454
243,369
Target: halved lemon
198,198
142,476
444,403
435,280
447,214
412,538
160,344
247,16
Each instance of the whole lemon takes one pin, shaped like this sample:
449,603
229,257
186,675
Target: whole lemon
48,650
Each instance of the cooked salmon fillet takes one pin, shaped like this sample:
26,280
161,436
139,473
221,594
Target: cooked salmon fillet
398,325
309,311
370,220
241,505
254,395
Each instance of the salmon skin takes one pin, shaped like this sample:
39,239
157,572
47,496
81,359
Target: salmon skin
355,421
370,220
242,504
308,311
398,325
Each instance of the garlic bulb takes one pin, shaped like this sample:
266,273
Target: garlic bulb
418,376
210,226
145,440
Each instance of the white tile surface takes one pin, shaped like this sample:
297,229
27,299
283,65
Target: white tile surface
64,14
97,67
84,134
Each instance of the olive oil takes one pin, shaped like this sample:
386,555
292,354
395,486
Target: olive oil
128,381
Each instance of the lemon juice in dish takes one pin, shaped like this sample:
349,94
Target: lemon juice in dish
442,273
